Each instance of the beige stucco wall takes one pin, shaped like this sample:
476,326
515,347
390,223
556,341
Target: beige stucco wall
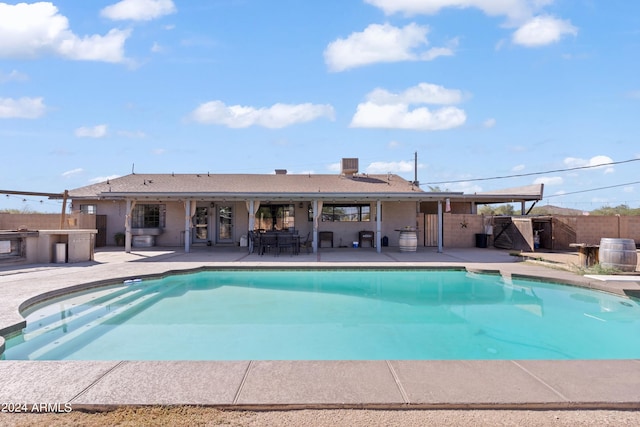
42,248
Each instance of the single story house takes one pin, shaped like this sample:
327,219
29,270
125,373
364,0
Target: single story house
221,209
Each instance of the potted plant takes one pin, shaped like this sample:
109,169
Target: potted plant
119,238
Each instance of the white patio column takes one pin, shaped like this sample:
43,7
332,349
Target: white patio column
317,211
127,224
252,207
252,217
187,226
440,226
378,226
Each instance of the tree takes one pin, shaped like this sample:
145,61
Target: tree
617,210
505,209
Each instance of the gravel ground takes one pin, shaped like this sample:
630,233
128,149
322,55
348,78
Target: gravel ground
198,416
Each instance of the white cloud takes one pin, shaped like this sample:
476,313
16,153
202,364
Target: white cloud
489,123
465,187
532,30
543,30
382,43
423,93
276,116
335,167
157,48
393,167
517,168
601,161
98,131
387,110
14,76
31,30
549,180
109,48
21,108
394,144
100,179
158,151
132,134
634,94
72,172
138,10
513,9
398,116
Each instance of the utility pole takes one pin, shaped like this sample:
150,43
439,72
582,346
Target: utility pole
415,169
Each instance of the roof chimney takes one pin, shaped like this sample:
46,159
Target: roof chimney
349,166
281,171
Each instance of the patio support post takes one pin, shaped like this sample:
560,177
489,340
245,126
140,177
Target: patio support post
252,222
440,226
316,214
252,217
187,226
378,226
127,225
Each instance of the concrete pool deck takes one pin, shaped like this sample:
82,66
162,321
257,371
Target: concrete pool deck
532,384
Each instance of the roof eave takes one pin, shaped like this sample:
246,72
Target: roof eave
417,195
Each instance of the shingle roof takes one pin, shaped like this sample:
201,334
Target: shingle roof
235,184
285,187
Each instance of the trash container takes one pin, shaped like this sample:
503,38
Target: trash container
482,240
385,241
60,255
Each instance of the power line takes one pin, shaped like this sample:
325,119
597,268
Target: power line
592,189
534,173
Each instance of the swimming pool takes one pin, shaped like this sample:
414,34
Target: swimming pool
331,315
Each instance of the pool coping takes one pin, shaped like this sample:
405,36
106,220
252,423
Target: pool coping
262,385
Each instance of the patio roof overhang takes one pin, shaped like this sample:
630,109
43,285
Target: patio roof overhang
417,196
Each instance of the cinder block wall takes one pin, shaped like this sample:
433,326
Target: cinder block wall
630,228
460,230
590,229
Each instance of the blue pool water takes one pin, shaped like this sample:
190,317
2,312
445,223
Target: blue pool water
332,315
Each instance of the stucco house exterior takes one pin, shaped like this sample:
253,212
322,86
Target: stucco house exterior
220,209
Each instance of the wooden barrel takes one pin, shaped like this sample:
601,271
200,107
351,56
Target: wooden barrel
618,253
408,241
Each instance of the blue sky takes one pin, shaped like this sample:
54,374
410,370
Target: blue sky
478,88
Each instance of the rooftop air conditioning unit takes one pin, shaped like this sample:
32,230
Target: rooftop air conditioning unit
349,166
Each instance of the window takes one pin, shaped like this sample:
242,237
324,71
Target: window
88,209
275,217
346,213
148,216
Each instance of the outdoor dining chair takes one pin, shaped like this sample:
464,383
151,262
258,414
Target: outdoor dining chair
268,242
288,242
307,243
